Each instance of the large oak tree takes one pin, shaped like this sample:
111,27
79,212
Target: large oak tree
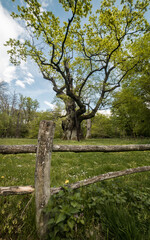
84,62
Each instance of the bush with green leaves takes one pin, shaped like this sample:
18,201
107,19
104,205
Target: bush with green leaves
47,115
101,211
102,127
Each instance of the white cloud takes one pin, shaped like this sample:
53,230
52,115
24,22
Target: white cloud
52,106
29,75
28,80
20,83
45,4
8,29
8,73
106,112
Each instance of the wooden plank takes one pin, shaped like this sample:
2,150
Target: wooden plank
42,174
100,148
16,190
29,189
102,177
14,149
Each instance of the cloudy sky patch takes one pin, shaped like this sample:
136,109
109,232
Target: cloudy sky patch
20,84
106,112
52,106
29,80
7,71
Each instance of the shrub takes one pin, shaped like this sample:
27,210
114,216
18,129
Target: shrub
102,211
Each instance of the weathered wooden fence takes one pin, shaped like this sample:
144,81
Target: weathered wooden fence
43,152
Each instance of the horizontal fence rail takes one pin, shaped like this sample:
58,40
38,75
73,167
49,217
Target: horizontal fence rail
14,149
20,190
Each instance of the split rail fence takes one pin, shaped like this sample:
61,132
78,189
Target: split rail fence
43,151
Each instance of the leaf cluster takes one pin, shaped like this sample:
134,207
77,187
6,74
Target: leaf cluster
120,212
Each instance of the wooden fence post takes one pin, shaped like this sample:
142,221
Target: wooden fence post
42,174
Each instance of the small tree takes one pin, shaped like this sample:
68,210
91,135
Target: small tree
79,59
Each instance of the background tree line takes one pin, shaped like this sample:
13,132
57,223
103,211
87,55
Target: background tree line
16,113
19,115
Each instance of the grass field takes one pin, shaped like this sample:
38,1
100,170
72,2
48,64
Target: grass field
17,212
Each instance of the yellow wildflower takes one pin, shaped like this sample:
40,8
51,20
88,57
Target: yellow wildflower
67,181
2,177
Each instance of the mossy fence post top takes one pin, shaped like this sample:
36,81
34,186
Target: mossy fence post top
42,174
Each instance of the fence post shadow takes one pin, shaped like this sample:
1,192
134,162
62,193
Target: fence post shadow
42,174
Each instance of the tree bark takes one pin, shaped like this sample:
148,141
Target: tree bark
14,149
101,148
71,125
88,128
16,190
42,174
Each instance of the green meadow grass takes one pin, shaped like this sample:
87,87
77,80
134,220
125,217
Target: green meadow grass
17,213
19,169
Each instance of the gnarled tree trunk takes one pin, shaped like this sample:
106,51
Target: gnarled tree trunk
88,128
71,125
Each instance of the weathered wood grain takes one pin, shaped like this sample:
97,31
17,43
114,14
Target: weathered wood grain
42,174
14,149
16,190
100,148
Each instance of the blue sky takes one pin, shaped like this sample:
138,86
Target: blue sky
26,79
